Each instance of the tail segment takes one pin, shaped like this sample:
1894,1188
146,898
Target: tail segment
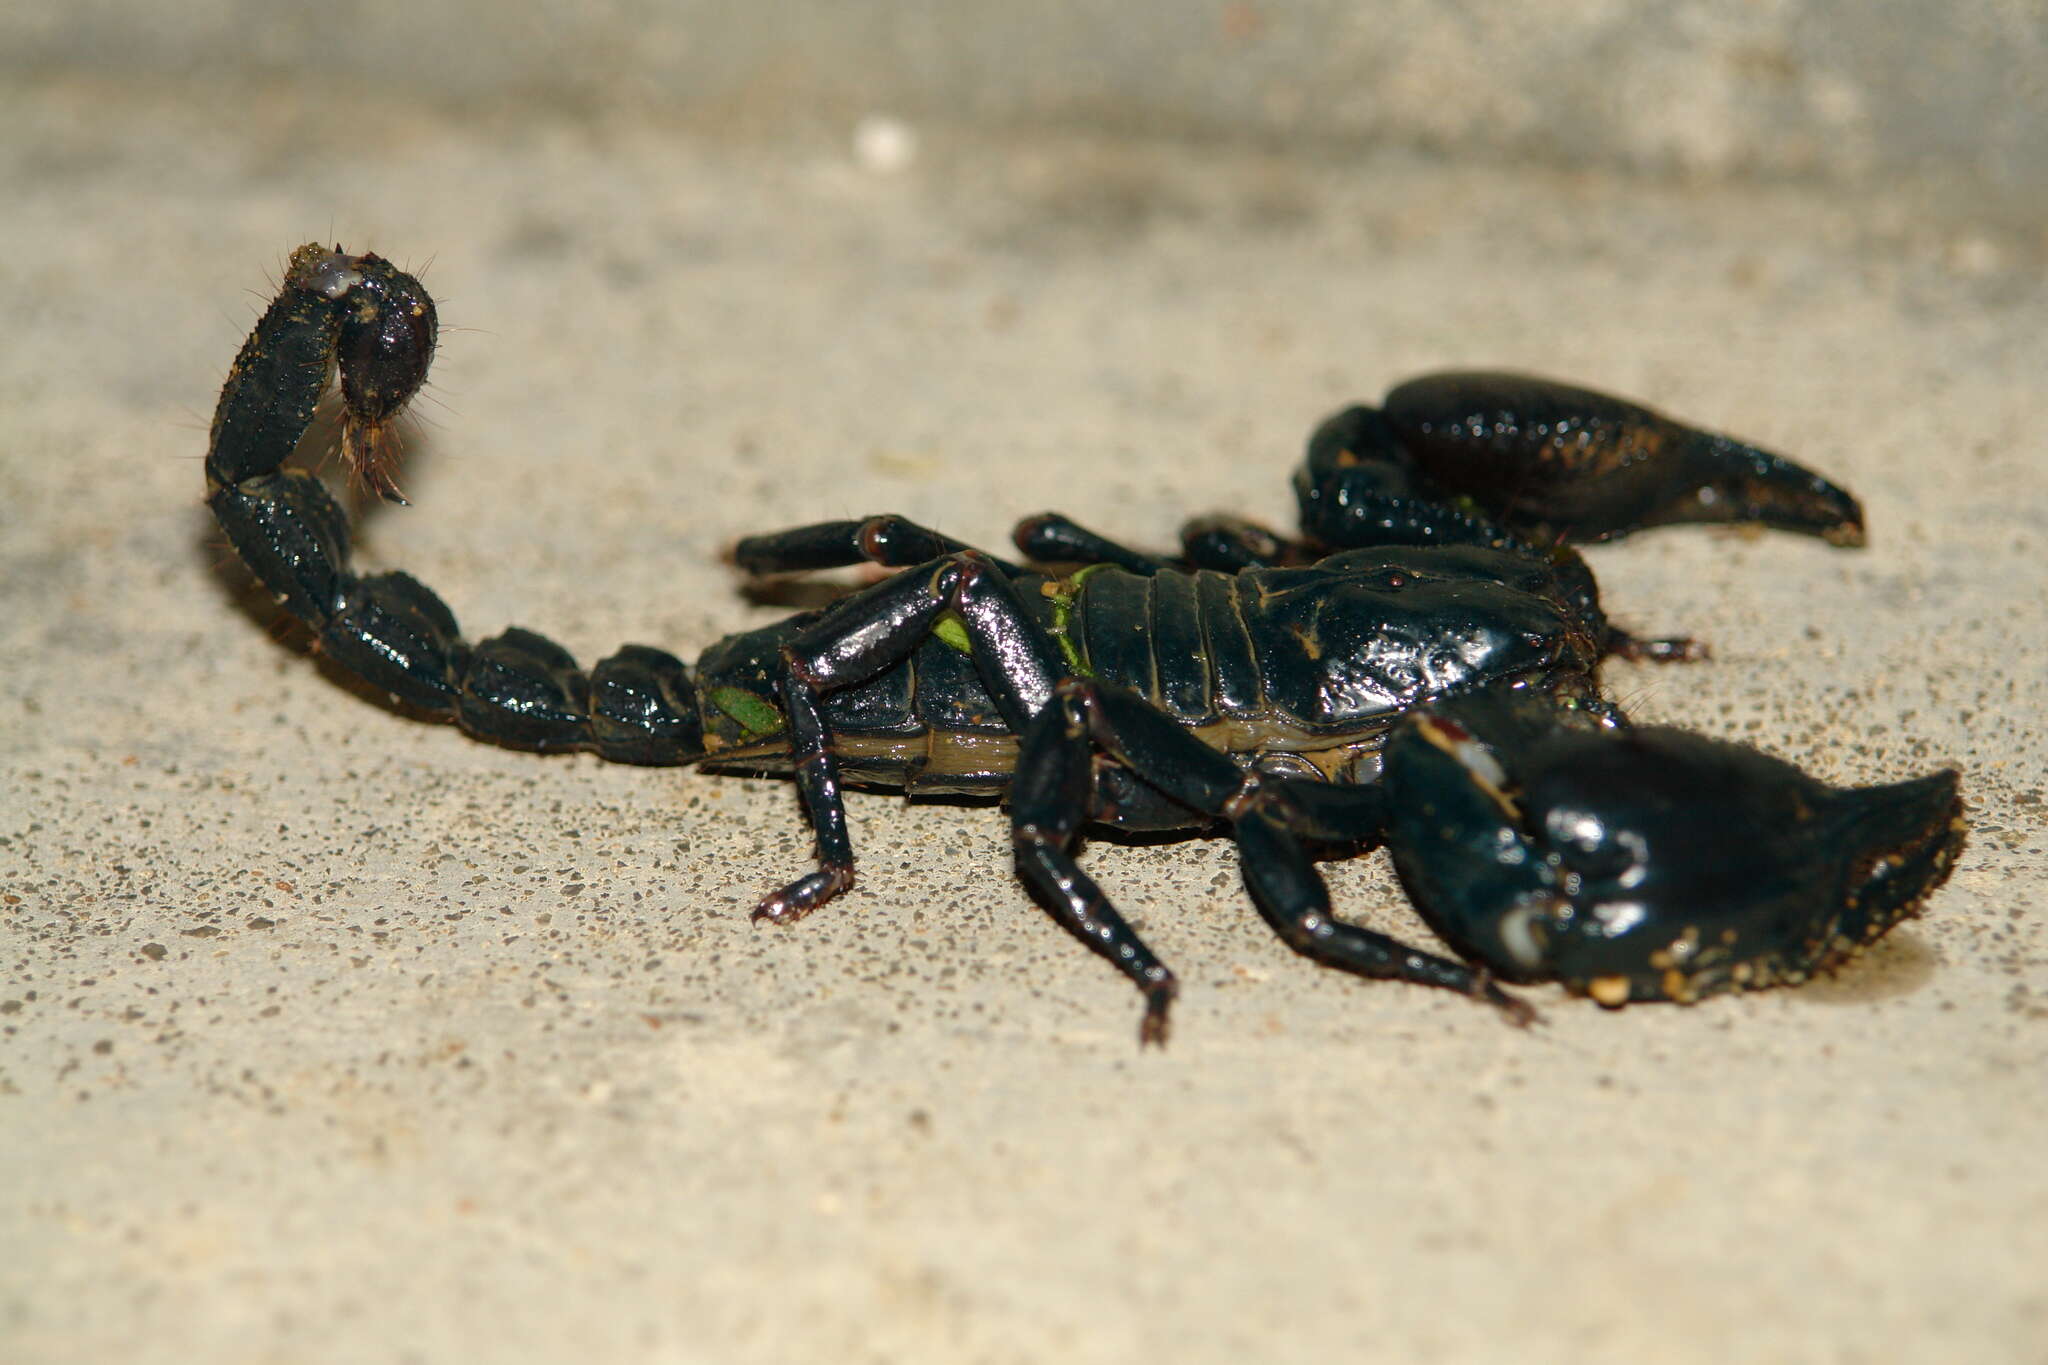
376,324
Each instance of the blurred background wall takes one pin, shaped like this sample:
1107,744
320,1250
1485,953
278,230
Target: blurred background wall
1944,100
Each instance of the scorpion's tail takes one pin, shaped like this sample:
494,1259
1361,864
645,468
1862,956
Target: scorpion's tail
376,325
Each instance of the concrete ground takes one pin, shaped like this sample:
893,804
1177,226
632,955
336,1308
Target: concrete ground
328,1035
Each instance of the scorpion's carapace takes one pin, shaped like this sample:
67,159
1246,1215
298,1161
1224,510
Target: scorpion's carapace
1249,684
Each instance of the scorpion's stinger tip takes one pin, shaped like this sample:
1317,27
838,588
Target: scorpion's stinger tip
373,452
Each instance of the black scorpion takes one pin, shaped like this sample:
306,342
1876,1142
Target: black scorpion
1416,670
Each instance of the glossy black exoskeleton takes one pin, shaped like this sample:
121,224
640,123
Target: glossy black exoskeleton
1250,684
1648,863
1549,462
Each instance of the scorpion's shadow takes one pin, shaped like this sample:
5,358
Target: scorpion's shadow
1897,965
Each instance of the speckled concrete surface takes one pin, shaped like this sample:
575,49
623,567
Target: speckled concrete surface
326,1035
